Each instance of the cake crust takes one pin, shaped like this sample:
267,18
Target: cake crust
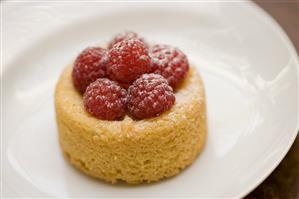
130,150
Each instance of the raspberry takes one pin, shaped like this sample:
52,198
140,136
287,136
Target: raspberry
169,62
149,96
89,66
124,35
105,99
128,60
125,85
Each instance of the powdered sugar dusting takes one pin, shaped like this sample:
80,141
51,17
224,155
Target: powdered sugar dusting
128,60
149,96
89,65
169,62
124,35
105,99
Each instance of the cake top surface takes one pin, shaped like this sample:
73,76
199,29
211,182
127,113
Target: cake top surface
190,92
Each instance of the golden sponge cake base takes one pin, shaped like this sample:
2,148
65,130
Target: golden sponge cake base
133,151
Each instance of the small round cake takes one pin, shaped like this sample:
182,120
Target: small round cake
132,150
132,112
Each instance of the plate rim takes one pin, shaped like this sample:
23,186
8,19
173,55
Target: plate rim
272,22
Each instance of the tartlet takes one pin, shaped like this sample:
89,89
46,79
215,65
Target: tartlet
131,150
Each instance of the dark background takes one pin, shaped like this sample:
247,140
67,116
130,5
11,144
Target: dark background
283,183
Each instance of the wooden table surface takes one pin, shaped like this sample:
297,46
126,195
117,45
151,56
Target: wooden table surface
283,183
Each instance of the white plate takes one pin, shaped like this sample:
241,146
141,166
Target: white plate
249,67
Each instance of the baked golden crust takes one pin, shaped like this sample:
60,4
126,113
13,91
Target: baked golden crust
131,150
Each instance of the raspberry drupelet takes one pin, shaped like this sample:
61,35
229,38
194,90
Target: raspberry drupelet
89,66
149,96
169,62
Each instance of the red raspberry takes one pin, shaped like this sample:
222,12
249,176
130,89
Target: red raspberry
125,85
89,66
128,60
149,96
105,99
124,35
169,62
